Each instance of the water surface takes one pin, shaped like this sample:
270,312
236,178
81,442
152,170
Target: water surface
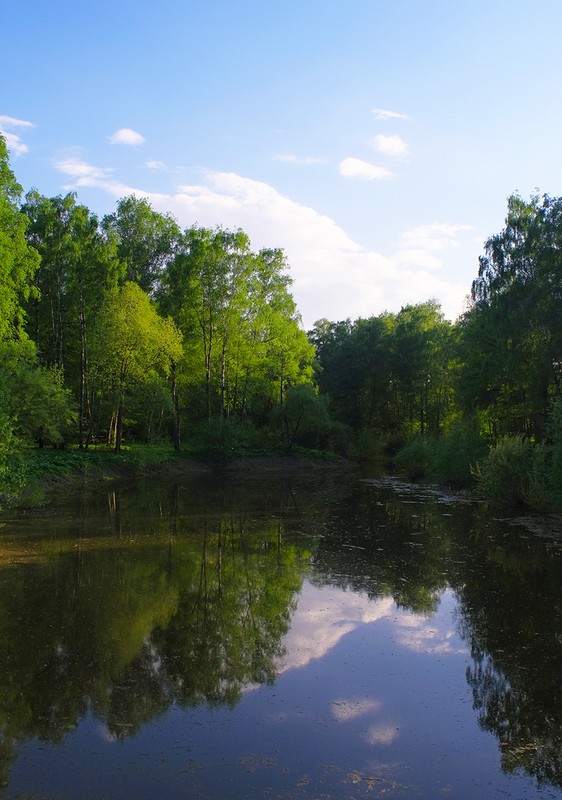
326,638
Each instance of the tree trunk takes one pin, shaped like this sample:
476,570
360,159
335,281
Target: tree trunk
82,397
176,437
119,427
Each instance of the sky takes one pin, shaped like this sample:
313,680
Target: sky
375,142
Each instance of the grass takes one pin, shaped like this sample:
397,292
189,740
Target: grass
34,470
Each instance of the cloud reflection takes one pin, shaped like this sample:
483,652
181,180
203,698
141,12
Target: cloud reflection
324,615
345,709
432,635
384,733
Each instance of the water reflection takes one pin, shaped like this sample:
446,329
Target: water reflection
123,605
511,606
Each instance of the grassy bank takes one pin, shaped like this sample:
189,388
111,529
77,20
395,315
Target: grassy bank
36,473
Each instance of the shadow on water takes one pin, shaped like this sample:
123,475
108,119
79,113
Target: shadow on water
127,602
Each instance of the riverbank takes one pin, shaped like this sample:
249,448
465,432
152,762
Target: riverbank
39,473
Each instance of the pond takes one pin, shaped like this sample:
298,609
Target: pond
325,637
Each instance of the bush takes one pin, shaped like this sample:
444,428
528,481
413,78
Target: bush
455,455
414,459
506,475
306,422
224,438
368,446
554,433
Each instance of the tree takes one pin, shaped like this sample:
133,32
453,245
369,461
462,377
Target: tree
511,334
18,261
421,355
132,344
79,266
305,416
41,408
388,373
243,342
147,240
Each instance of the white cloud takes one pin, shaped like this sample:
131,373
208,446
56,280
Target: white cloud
13,141
12,122
420,245
384,114
334,276
356,168
81,171
393,146
126,136
291,158
437,236
155,165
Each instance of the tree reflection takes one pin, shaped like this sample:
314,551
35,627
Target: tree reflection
129,623
511,601
377,544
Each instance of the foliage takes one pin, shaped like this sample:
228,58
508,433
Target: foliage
456,453
222,438
414,458
512,337
131,345
505,475
368,446
131,327
244,347
146,240
305,418
18,261
79,267
554,434
35,406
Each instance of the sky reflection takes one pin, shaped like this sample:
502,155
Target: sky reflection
326,614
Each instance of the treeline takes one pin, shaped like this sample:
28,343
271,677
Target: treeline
129,329
477,400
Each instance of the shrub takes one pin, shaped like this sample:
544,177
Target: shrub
455,454
414,459
554,433
505,476
223,438
368,447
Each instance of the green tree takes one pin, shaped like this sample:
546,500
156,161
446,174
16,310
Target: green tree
18,261
132,345
41,408
79,266
243,342
421,357
511,334
388,373
147,240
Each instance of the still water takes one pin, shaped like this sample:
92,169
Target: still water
278,638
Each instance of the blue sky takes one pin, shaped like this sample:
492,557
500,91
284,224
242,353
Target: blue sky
375,142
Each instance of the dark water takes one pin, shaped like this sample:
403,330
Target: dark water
335,638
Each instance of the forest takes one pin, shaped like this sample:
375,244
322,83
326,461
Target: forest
128,330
